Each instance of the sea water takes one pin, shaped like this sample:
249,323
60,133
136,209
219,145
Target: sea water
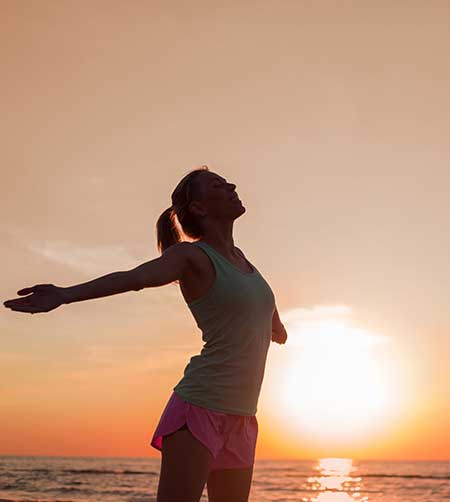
90,479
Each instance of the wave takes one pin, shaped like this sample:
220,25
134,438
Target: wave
127,472
406,476
87,471
375,475
34,500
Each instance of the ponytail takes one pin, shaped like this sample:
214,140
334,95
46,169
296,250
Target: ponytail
177,219
167,233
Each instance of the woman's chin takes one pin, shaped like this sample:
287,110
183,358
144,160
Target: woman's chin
242,210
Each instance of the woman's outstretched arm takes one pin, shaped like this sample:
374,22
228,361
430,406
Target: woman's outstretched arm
169,267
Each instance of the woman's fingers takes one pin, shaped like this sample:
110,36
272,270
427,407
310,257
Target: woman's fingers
10,303
279,337
37,288
18,303
26,291
24,308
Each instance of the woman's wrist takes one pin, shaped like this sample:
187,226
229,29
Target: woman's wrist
65,295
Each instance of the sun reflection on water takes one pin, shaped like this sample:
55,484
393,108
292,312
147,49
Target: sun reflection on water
334,482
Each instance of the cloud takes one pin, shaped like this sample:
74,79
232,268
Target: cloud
87,259
326,326
317,312
90,260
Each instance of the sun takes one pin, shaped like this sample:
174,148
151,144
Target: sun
335,382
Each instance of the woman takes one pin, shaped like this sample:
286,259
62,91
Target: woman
207,432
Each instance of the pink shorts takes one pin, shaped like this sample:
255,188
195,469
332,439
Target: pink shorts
231,439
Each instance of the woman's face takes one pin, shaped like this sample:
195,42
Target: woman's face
218,197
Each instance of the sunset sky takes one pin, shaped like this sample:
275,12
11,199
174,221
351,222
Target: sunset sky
332,118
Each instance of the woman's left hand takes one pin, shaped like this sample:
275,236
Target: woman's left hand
279,336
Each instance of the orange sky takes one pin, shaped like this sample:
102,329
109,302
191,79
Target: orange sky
332,120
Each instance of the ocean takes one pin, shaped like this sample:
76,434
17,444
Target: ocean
90,479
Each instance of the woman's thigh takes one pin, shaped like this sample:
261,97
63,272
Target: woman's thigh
229,485
185,465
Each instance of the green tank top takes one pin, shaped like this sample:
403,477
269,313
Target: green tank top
235,317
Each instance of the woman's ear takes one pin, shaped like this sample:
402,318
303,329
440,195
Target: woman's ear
197,208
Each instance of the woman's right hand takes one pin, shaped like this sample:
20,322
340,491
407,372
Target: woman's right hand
43,298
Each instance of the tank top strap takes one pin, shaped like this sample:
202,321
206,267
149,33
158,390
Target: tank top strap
219,263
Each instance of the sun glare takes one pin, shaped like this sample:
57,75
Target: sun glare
336,382
334,481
